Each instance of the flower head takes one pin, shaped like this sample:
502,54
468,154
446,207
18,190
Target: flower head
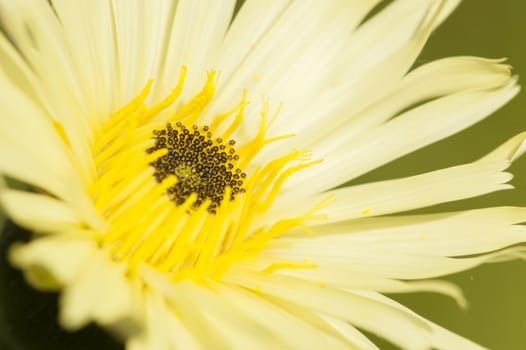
185,165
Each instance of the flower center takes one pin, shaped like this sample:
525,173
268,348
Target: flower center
148,158
202,164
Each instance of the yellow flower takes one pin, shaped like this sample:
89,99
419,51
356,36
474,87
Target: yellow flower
183,166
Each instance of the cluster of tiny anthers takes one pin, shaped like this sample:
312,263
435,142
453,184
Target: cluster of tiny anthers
203,165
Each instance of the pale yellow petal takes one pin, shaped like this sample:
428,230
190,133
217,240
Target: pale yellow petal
364,313
38,212
100,292
52,263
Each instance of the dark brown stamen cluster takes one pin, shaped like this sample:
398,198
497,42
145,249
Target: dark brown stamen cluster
202,164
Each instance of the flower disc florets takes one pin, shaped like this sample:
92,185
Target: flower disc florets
148,158
202,164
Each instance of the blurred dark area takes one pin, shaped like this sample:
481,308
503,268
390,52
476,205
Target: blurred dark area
28,318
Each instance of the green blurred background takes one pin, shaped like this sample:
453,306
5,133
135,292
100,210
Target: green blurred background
496,317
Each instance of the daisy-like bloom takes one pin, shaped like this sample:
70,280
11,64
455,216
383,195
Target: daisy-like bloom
184,166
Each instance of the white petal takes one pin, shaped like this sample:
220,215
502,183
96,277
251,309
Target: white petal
15,69
164,329
259,18
385,33
50,263
32,151
38,212
347,279
142,29
195,34
354,335
88,27
511,150
285,327
212,322
390,196
445,185
37,33
419,191
448,234
274,65
25,125
436,79
408,132
100,292
364,313
19,165
389,261
249,319
441,339
252,22
330,92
